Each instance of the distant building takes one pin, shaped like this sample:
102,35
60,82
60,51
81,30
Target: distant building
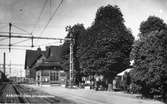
44,67
118,82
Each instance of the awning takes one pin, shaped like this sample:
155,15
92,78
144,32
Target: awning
123,72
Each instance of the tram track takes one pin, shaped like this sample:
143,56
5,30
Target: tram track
16,93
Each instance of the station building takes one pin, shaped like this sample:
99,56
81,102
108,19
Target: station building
44,67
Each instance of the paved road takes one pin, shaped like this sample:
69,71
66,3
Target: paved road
82,96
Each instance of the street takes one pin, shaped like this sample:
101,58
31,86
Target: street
83,96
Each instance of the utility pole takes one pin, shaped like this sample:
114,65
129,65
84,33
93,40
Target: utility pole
4,63
10,26
71,61
10,67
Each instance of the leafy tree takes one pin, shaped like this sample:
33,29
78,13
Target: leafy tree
110,43
77,31
150,59
110,14
152,24
105,46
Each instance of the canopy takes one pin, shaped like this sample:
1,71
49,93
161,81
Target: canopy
123,72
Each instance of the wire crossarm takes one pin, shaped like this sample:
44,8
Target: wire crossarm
35,37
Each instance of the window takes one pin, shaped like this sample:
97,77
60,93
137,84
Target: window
54,76
45,73
57,76
62,74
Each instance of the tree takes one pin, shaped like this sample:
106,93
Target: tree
77,31
150,59
152,24
104,47
110,43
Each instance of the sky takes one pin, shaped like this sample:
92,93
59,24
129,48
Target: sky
25,14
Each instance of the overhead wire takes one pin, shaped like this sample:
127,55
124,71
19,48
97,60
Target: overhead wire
20,41
17,45
3,39
18,23
20,48
15,33
50,4
21,29
51,17
3,28
48,43
14,64
39,17
20,12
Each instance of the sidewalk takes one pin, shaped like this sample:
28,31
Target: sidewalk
82,96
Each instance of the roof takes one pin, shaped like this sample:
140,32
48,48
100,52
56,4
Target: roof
48,65
123,72
31,57
54,53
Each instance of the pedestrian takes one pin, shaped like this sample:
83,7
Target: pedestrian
109,87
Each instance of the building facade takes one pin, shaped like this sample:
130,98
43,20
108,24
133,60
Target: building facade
45,67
